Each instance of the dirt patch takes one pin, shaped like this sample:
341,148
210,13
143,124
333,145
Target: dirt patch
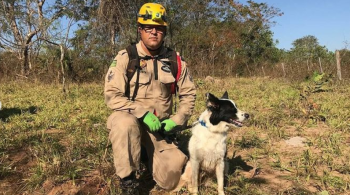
91,183
18,161
275,180
296,141
66,189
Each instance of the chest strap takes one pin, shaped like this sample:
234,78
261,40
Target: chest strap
134,67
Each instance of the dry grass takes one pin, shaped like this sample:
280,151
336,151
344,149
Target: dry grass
57,143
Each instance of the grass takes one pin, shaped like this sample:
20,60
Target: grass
51,139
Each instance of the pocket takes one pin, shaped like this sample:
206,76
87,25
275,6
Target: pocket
167,167
166,79
144,81
159,143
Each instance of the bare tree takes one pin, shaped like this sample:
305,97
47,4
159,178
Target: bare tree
24,22
116,17
62,44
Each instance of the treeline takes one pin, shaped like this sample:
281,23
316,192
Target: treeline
217,38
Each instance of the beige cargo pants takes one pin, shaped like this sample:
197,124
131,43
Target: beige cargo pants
127,135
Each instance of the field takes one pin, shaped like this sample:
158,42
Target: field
296,141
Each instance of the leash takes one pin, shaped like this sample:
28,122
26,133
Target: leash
171,136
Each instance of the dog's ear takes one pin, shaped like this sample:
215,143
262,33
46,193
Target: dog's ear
212,101
225,96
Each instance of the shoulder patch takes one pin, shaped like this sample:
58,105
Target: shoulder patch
110,75
114,64
166,69
190,78
166,63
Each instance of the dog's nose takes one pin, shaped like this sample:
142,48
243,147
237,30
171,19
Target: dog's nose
246,115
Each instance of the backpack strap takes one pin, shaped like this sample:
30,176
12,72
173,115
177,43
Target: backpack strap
176,71
133,66
175,67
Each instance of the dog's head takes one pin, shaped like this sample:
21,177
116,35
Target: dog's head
224,110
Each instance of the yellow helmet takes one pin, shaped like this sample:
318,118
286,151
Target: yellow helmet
152,14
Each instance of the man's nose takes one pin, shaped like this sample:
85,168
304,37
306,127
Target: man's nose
154,30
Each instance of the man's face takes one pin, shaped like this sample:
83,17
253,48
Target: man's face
152,35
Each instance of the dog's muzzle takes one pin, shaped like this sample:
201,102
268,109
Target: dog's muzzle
236,123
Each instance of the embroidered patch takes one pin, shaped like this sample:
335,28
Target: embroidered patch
114,64
190,77
166,68
166,63
143,63
110,75
131,70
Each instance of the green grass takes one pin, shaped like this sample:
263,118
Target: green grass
51,137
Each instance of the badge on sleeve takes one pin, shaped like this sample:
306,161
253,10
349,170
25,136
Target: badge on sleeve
191,78
110,75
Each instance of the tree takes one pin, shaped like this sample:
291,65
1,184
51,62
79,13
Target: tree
24,22
308,49
216,37
117,18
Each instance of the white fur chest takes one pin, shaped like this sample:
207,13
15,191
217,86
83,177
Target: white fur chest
207,147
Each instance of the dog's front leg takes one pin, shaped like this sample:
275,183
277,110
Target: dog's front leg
220,167
195,172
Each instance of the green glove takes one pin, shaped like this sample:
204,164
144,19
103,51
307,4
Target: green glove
169,124
152,122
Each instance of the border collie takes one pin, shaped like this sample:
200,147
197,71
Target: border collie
207,146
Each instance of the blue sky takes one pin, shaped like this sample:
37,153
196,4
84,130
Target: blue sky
327,20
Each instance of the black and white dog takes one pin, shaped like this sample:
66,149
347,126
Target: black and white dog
207,146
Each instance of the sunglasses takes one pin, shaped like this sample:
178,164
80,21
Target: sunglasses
159,29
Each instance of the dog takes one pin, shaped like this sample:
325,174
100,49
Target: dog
207,145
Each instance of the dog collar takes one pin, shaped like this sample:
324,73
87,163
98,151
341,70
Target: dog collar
203,123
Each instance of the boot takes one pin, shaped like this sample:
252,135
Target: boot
129,185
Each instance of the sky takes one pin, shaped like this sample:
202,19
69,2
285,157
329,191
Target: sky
327,20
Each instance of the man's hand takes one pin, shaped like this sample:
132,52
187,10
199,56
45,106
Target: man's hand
152,122
169,124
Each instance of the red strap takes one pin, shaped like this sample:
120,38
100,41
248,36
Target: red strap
173,86
178,67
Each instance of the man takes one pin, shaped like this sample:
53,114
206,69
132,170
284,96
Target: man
143,107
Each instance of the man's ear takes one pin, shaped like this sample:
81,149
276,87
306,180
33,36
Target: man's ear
139,29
